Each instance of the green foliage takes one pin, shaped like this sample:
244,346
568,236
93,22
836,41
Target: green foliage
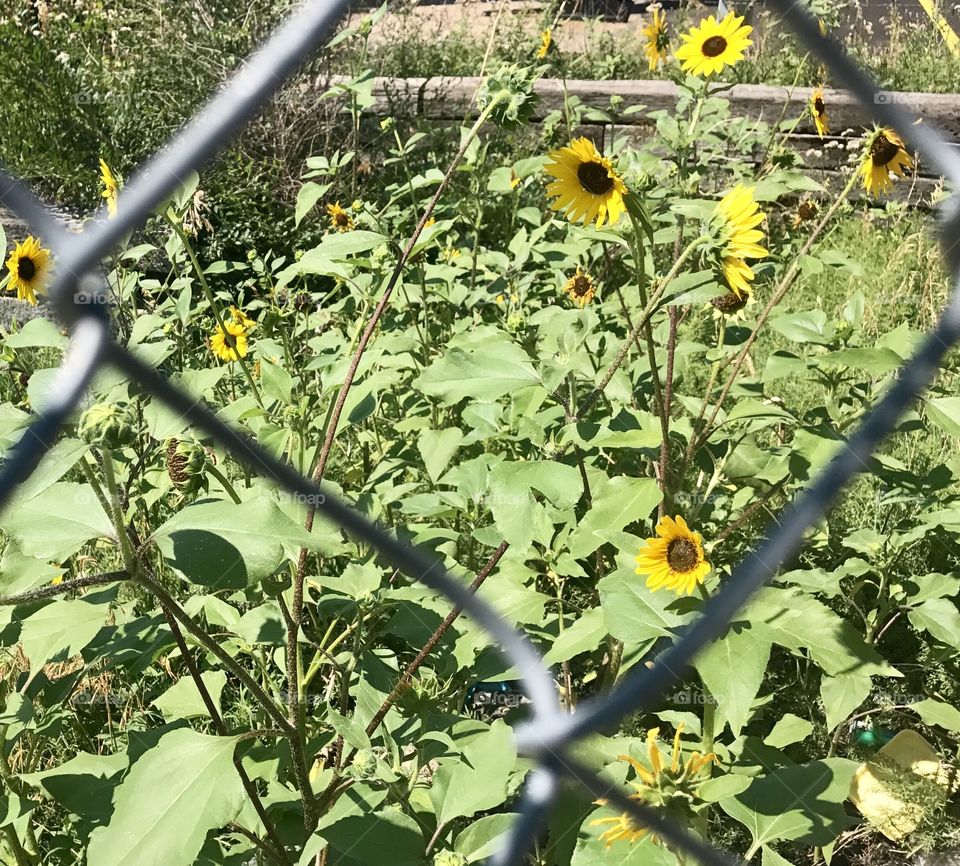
171,615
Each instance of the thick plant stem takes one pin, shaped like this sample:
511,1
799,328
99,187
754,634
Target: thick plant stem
330,794
54,590
277,851
648,310
205,287
296,607
785,284
139,574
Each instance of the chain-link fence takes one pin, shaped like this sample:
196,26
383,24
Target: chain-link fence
547,738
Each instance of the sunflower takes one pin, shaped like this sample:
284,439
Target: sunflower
672,787
340,220
546,43
674,559
229,341
806,211
657,39
580,287
587,187
730,304
713,45
241,318
819,112
739,215
28,265
111,186
884,154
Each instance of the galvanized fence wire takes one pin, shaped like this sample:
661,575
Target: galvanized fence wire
551,733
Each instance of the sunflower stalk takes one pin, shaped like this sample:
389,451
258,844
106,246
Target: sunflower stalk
208,294
696,441
294,623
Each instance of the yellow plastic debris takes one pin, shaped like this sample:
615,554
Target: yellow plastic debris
896,789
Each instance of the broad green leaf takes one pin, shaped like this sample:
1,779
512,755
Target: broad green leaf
83,785
484,837
842,694
875,361
183,701
721,787
387,836
788,730
935,712
732,669
478,779
939,617
36,334
808,327
797,621
60,630
633,613
59,521
945,413
484,373
437,448
584,634
769,857
222,545
620,501
172,797
802,803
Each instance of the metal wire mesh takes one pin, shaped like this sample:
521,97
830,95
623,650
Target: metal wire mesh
549,735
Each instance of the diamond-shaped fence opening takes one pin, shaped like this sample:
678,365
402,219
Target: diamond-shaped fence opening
547,737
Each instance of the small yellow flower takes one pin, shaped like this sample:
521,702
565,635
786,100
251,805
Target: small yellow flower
621,826
587,187
111,187
674,559
714,44
884,154
739,215
580,287
27,266
806,211
657,39
819,112
501,299
57,580
340,220
672,788
241,318
229,342
546,43
431,221
514,180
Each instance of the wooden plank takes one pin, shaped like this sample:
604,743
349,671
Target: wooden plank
452,99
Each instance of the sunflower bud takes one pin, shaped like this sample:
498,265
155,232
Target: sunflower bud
185,465
107,425
364,764
511,89
449,858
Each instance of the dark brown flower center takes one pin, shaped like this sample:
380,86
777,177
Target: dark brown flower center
806,210
594,178
682,555
818,105
729,303
26,269
882,151
341,218
582,286
714,46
